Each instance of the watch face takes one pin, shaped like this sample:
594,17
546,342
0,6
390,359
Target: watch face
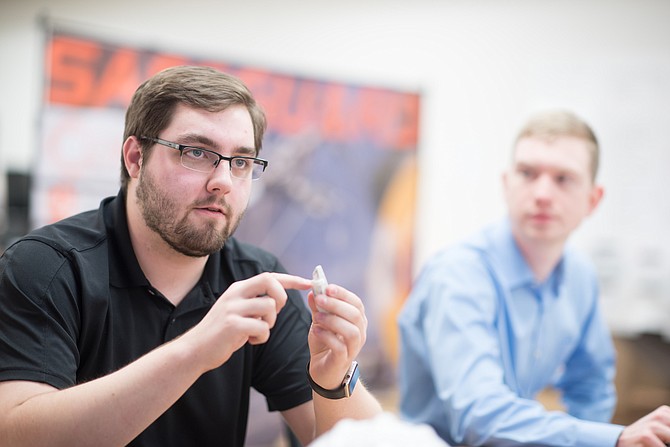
351,379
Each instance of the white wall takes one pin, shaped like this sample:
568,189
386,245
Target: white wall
481,65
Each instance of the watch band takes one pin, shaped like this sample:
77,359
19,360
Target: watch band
342,391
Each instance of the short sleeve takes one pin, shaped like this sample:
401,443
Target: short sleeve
38,315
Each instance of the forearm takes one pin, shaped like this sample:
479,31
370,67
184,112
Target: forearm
361,405
109,411
494,420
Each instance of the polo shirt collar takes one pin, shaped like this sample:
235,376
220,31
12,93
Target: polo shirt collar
124,269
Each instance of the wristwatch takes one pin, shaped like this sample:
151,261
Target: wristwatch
342,391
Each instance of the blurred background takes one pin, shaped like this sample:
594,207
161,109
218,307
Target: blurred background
468,73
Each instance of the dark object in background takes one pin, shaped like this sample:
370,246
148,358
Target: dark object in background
17,221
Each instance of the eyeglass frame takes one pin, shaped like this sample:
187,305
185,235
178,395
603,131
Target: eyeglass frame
182,147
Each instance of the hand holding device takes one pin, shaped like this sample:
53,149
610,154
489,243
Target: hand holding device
319,284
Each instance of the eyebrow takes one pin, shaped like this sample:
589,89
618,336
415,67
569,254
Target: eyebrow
540,166
194,139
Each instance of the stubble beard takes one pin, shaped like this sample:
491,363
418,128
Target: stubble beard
160,213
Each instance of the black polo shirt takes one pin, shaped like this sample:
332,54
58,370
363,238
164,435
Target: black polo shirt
75,306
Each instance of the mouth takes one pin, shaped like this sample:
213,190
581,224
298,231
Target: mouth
212,211
540,217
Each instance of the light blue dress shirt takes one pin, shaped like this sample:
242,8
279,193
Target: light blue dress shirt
480,338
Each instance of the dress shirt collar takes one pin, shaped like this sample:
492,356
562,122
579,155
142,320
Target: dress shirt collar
514,266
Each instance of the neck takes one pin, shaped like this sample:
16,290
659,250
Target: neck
169,271
541,258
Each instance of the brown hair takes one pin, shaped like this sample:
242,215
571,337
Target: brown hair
154,102
560,123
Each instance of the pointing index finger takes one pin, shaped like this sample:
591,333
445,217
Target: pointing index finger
292,282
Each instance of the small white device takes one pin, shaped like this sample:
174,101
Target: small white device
319,282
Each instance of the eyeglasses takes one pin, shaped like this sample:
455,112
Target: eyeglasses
204,160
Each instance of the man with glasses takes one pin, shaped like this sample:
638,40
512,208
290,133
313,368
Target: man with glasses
145,323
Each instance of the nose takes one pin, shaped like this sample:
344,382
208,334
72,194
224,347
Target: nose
220,180
543,188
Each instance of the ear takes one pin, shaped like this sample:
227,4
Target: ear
595,197
132,156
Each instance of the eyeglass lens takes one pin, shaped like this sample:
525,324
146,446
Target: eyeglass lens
204,161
